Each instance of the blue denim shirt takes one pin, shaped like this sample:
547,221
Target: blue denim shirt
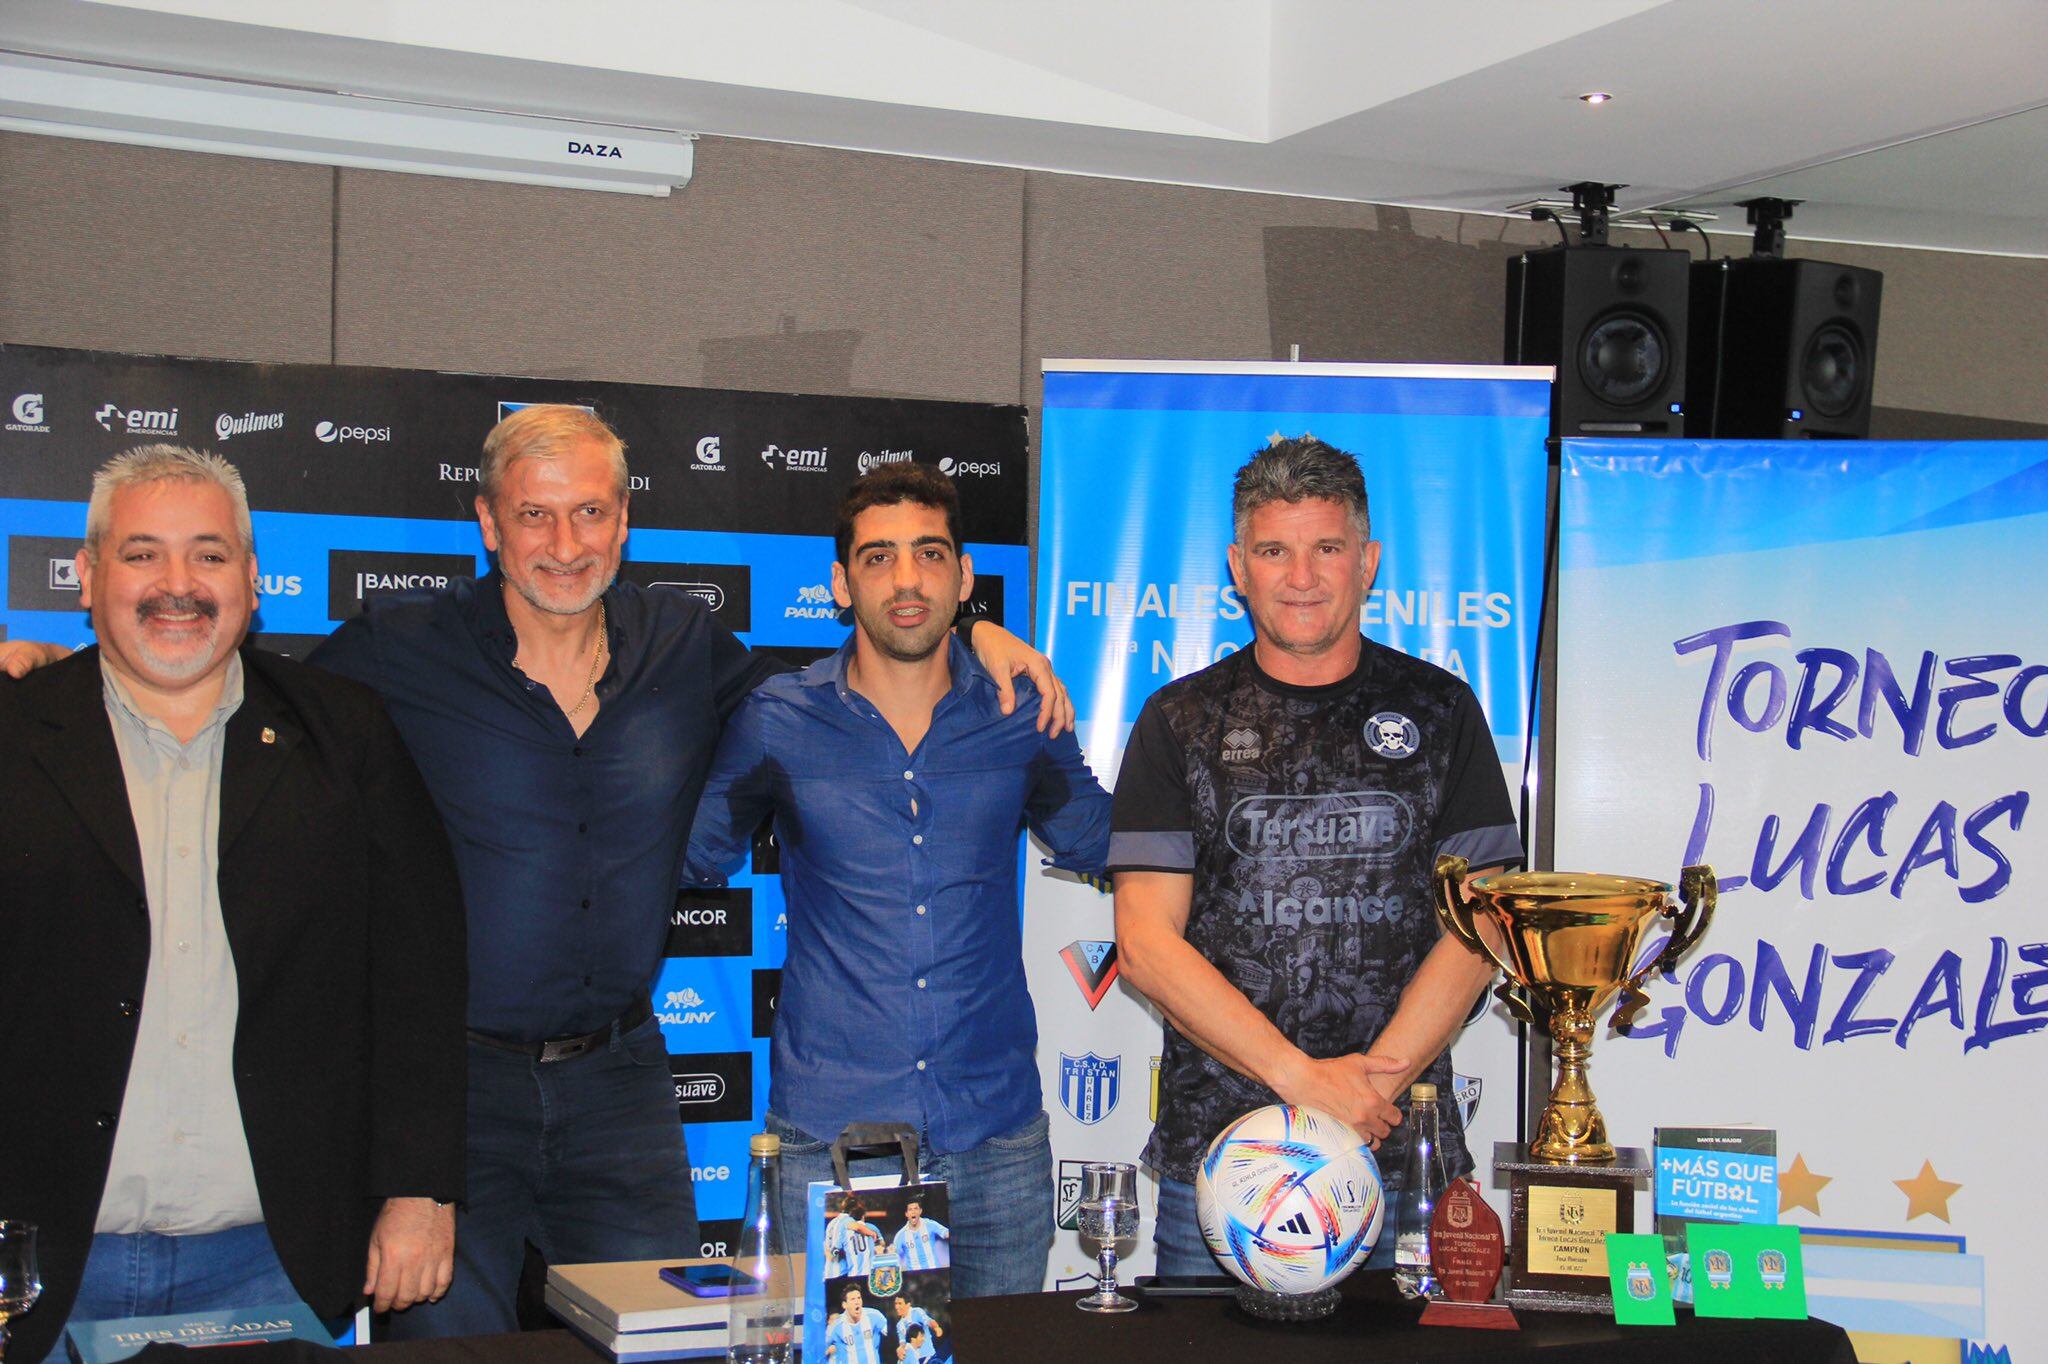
569,848
903,998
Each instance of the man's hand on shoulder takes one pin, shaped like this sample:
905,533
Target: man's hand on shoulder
412,1254
20,657
1344,1087
1006,656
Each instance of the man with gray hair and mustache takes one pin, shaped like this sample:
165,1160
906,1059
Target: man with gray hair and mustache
231,955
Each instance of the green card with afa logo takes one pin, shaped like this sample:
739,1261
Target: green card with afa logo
1641,1284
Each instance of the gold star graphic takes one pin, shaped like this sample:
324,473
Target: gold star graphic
1927,1192
1799,1187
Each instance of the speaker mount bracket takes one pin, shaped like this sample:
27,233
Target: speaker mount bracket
1768,216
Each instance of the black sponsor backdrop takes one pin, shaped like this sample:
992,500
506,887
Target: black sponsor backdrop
404,442
401,446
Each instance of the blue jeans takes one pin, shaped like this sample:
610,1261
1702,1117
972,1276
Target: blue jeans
999,1196
146,1275
583,1157
1177,1236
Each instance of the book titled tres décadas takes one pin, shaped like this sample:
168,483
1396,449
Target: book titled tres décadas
102,1342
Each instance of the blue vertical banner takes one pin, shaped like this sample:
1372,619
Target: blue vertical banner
1822,668
1134,590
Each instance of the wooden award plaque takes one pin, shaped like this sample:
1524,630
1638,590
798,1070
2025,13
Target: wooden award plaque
1466,1251
1561,1216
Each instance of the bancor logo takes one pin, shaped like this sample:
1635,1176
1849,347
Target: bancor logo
1374,825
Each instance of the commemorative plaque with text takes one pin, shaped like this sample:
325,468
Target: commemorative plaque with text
1467,1248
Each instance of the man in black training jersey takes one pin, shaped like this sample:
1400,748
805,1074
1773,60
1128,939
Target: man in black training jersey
1276,822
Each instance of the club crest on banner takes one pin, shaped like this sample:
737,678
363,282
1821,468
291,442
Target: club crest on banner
1089,1086
1465,1093
1067,1194
1093,964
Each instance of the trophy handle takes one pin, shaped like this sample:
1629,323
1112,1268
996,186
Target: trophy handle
1456,912
1698,891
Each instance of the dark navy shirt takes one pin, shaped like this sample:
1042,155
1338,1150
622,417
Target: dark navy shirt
569,848
903,998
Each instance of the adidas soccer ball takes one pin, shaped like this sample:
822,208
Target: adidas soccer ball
1289,1199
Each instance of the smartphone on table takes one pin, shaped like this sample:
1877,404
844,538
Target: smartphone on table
709,1281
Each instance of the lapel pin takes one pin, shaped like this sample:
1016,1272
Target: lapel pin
269,735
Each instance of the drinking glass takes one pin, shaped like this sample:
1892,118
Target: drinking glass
1108,1213
20,1281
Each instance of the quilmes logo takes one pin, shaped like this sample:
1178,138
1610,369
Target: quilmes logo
1093,964
346,433
227,425
709,458
137,421
683,1007
796,461
28,414
874,459
1089,1086
812,603
970,468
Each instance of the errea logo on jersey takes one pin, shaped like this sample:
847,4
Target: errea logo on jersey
1242,745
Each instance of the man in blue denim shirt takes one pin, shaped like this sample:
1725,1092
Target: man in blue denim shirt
898,788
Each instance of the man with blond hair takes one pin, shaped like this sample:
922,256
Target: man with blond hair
231,955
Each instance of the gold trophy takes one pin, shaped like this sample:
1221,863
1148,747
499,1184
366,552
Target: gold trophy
1568,943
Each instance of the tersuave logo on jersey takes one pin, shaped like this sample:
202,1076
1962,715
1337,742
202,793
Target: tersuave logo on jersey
1372,825
1090,1086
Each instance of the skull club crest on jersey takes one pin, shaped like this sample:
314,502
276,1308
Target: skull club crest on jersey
1391,734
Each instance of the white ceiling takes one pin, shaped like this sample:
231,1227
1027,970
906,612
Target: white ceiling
1900,122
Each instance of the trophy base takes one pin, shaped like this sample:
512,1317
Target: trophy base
1266,1306
1559,1217
1472,1316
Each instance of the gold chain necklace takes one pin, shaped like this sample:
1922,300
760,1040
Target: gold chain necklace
596,656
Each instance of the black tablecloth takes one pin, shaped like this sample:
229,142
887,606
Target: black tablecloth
1374,1325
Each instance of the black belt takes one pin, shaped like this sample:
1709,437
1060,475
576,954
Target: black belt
562,1048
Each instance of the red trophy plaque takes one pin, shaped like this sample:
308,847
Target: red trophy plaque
1466,1251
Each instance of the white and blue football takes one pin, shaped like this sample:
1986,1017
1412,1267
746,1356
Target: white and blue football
1289,1198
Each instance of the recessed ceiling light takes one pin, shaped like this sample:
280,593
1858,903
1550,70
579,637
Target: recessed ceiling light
1596,97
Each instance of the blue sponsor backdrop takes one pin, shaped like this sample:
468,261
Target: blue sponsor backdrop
719,478
1135,517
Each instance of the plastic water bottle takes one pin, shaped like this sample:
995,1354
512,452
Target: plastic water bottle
761,1327
1423,1181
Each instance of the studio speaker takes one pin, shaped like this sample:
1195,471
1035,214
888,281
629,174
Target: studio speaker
1782,348
1612,321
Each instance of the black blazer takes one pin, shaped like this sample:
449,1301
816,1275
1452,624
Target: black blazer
346,923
